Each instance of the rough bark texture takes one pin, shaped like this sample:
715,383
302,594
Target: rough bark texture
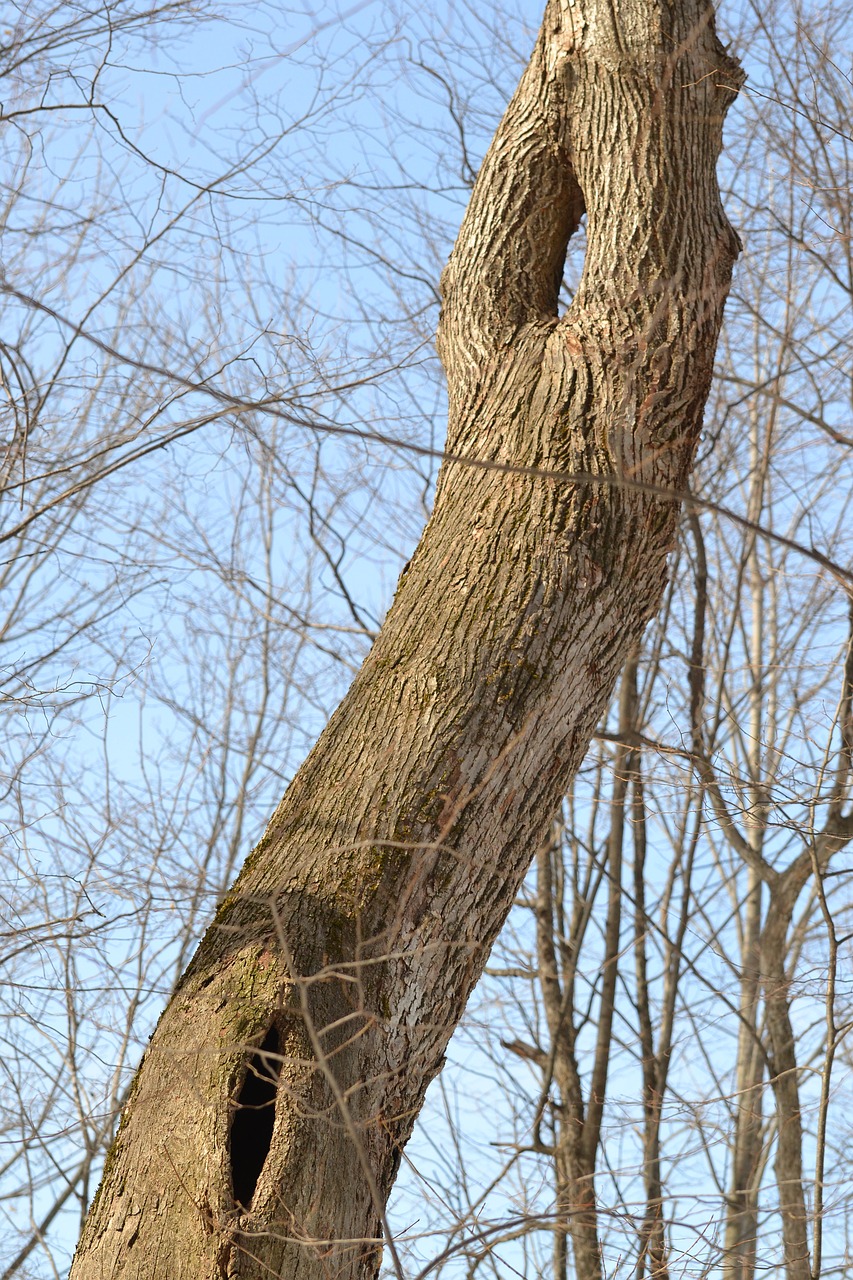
362,920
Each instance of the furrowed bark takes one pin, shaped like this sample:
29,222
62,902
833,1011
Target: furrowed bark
359,925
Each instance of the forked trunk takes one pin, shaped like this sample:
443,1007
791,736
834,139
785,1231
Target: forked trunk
340,962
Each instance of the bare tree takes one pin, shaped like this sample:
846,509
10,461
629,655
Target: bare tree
339,963
170,478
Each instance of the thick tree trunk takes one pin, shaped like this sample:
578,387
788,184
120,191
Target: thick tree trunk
352,938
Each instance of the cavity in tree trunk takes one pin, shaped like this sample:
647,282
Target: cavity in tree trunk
341,960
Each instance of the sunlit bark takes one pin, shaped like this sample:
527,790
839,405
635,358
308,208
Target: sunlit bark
357,928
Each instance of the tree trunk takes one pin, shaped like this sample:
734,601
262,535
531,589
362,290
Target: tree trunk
785,1070
325,991
740,1257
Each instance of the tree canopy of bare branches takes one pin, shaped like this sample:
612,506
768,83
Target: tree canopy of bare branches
223,419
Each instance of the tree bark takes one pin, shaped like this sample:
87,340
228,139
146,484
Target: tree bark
358,926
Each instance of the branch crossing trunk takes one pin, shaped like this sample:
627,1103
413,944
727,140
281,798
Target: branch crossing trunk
360,923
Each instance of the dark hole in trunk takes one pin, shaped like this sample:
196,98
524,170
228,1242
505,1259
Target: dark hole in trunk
254,1116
